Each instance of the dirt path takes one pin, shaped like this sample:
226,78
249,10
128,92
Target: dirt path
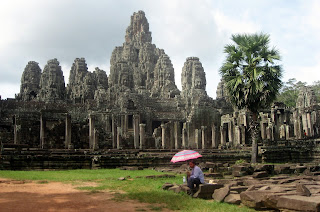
55,196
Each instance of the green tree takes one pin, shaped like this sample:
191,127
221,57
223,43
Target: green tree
289,92
252,77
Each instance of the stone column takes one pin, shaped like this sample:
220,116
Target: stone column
163,136
142,136
184,136
197,134
204,136
214,139
119,133
136,121
237,138
223,133
114,132
263,131
177,137
42,132
68,132
91,132
305,123
243,134
282,132
310,128
15,131
287,132
230,133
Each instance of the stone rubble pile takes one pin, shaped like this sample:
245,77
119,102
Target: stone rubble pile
264,187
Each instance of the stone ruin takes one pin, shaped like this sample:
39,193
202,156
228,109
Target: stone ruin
138,106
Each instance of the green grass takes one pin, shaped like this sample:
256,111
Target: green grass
142,189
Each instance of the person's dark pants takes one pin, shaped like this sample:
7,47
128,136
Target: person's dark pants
191,182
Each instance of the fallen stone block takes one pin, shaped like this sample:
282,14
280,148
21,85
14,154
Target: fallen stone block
175,189
262,174
233,199
166,186
220,194
249,182
299,203
303,190
254,199
264,167
264,188
238,189
206,190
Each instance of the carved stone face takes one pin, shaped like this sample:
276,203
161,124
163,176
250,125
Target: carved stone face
124,80
198,83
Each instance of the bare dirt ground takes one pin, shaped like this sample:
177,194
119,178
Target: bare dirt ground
54,196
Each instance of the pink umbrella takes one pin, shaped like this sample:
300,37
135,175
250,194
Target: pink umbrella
185,155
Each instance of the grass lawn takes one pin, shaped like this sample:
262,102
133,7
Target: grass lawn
142,189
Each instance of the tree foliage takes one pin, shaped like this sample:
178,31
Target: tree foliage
289,92
252,77
251,72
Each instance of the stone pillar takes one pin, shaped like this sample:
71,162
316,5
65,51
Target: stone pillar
204,136
214,139
243,134
119,133
92,139
263,131
42,132
163,136
68,132
142,136
310,128
15,131
230,132
305,123
223,133
287,132
282,132
114,132
197,134
184,136
177,137
136,121
237,138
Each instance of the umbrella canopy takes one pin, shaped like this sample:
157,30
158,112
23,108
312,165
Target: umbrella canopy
185,155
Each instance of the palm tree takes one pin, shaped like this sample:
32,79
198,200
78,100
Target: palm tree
252,77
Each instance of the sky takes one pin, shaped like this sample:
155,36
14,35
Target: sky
37,30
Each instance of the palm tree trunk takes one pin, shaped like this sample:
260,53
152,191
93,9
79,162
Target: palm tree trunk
254,136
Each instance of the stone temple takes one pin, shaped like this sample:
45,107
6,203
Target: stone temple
138,106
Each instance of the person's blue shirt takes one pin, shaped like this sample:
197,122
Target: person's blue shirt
197,173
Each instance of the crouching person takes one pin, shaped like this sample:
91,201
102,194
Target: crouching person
195,178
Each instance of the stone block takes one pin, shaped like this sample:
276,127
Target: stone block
166,186
233,199
264,167
238,189
299,203
254,199
206,190
262,174
175,189
220,194
303,190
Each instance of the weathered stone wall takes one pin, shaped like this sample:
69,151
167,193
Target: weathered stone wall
138,106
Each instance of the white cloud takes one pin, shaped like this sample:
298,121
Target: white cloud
232,25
